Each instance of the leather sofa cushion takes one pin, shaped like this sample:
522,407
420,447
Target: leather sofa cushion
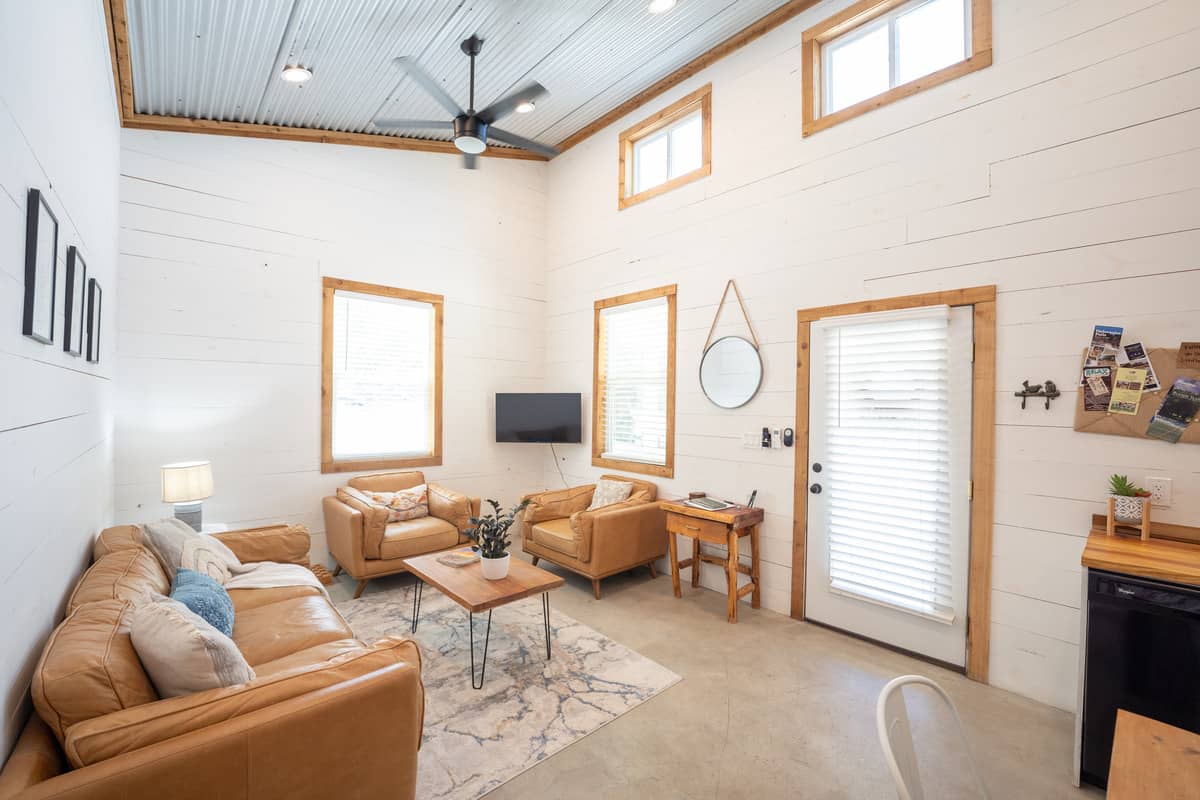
246,599
89,668
118,537
556,535
280,629
387,481
311,657
100,739
414,537
131,574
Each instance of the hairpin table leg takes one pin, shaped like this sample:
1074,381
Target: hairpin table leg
486,636
416,603
546,620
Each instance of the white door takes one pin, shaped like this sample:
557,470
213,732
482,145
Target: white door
889,477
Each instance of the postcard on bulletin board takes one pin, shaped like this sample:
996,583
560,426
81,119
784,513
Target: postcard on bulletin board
1137,425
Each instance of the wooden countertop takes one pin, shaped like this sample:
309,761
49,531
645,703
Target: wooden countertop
1152,759
1158,559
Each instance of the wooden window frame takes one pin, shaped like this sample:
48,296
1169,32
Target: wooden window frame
700,99
666,470
982,299
328,462
861,13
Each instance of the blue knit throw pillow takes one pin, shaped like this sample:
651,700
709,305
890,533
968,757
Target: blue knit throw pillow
204,597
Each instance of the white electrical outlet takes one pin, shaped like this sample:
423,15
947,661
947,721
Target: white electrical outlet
1160,492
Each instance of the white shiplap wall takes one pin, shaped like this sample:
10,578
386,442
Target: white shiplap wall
58,133
1068,174
223,244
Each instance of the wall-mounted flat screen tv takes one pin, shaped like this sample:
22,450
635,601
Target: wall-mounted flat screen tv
541,417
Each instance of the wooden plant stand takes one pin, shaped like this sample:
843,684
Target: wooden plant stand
1114,523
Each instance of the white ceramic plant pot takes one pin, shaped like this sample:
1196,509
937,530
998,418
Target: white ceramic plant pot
1128,509
495,569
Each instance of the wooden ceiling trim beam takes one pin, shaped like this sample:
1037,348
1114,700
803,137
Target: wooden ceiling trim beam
118,41
739,40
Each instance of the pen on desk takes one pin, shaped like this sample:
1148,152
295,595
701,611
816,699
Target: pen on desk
750,502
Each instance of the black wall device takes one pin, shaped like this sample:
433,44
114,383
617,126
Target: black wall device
788,436
766,439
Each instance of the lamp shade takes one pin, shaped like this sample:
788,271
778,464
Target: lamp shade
187,481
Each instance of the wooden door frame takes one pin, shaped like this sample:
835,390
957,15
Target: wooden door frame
983,437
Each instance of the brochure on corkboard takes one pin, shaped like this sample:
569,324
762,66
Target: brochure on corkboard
1150,420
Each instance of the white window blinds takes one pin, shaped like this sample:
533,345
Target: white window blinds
383,376
633,369
887,444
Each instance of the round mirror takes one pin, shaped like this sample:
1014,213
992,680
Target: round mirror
730,372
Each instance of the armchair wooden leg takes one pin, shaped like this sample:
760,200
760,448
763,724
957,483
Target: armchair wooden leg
653,570
536,559
337,570
358,590
596,587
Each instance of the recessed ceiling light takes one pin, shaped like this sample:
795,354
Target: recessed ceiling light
295,74
525,106
660,6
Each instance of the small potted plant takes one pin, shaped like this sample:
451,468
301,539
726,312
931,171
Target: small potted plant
1127,499
489,532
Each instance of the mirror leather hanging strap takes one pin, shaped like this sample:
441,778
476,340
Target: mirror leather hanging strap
717,316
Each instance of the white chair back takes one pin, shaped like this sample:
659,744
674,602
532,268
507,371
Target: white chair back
895,737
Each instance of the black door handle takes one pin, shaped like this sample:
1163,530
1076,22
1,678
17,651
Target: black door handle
815,488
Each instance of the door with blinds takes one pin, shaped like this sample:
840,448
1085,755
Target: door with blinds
889,477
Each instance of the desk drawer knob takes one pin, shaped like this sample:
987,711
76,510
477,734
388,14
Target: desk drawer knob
692,527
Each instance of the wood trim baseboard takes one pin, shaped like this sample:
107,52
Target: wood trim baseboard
983,436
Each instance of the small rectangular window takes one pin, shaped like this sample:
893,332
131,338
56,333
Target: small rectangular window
381,377
878,51
667,150
633,400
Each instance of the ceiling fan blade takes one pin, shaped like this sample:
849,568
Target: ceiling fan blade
414,124
470,161
423,79
507,105
520,141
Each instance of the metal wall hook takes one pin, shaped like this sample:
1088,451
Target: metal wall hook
1047,390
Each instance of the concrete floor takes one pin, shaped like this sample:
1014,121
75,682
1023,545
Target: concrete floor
773,708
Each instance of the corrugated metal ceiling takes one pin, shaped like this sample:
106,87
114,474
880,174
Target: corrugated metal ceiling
221,59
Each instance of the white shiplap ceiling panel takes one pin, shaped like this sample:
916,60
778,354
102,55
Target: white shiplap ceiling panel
221,59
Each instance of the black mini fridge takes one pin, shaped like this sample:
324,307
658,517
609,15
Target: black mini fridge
1143,655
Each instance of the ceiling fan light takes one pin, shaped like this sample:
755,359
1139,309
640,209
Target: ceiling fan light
525,106
296,74
471,145
660,6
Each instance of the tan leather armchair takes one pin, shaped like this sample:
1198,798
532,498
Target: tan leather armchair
558,527
366,545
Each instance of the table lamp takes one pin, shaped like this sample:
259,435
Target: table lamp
186,484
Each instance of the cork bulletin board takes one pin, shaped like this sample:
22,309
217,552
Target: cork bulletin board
1135,425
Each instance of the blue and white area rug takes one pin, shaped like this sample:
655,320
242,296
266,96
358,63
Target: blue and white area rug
528,708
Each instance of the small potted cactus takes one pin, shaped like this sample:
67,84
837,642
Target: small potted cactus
1127,499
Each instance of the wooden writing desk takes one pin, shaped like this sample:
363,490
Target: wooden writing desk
718,527
1153,759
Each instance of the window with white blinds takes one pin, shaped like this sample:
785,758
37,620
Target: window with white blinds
888,456
382,377
634,398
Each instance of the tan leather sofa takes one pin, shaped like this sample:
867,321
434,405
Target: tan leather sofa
326,715
558,527
364,544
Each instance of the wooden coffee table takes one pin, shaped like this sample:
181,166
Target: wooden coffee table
467,587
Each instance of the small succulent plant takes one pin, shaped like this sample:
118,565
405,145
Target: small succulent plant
1121,486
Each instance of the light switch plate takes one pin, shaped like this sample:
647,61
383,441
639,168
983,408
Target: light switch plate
1160,492
752,441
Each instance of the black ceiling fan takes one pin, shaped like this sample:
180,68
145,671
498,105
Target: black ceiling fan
471,128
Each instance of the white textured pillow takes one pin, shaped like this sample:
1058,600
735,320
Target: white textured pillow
176,545
609,492
182,653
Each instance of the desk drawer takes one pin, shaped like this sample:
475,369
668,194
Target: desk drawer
703,529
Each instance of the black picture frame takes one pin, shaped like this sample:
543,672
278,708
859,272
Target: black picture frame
76,302
95,295
41,268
